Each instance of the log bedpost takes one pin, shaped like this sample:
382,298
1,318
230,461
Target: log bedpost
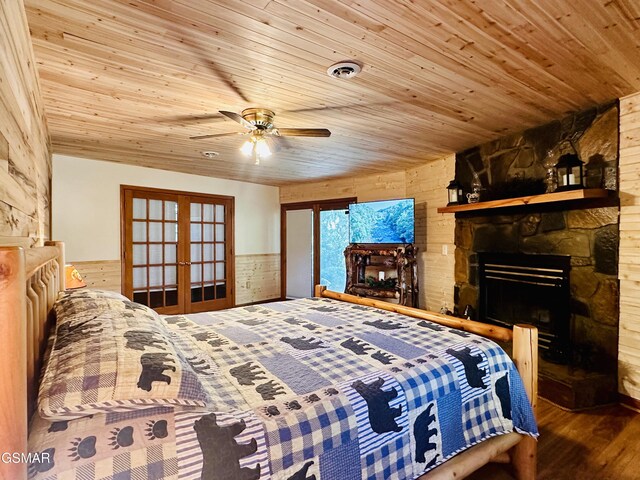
525,356
13,358
318,289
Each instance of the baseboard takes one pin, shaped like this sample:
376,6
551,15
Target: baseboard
258,302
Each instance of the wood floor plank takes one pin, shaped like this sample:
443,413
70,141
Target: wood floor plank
597,444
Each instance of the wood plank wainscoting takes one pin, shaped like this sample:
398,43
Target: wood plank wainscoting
257,276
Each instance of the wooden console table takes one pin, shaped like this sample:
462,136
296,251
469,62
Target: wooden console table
364,264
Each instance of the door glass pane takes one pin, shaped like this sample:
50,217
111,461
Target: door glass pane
139,231
208,273
219,270
155,277
334,238
139,277
170,275
196,232
140,208
196,252
171,211
209,292
196,215
219,213
171,297
155,254
170,253
141,297
207,213
219,232
196,273
170,232
219,251
208,252
139,254
155,209
208,232
155,231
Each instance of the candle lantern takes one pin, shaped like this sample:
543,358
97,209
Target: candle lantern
454,193
570,176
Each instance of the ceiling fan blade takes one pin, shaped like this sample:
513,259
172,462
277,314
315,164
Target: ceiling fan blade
301,132
199,137
238,118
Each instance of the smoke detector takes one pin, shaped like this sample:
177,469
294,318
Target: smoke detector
344,70
209,154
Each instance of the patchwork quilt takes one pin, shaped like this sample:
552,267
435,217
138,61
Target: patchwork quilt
310,389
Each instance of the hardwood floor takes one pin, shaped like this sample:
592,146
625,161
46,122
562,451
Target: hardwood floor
598,444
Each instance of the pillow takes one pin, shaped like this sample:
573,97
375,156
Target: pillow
75,304
110,354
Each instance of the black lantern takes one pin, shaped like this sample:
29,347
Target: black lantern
569,171
454,192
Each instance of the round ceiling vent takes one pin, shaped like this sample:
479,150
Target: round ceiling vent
210,154
344,70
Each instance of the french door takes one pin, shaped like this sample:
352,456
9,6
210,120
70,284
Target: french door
177,249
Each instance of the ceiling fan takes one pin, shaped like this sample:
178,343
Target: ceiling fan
260,128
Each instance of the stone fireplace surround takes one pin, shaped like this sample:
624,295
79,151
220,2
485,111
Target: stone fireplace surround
585,230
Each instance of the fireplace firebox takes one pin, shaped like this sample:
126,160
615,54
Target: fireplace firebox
528,288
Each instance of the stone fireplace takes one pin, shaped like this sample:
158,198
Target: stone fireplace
574,299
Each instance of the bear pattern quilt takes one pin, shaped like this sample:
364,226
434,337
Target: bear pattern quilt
306,389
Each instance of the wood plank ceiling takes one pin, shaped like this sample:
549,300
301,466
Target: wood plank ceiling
129,81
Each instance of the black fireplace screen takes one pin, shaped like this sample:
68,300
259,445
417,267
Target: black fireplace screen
534,289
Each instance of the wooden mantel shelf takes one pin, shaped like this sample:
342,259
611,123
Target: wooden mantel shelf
531,200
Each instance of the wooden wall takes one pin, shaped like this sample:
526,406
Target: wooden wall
257,276
629,260
103,275
434,232
365,188
427,184
25,158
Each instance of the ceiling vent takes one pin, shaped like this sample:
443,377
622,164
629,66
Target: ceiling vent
344,70
210,154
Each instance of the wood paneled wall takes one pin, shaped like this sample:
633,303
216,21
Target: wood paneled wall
257,276
629,260
365,188
25,158
427,184
434,232
102,274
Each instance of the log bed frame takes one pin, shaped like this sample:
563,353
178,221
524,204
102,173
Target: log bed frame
31,279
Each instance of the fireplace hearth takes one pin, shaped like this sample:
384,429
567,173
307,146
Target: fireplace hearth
533,289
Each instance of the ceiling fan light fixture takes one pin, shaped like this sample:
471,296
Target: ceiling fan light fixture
262,148
247,148
344,70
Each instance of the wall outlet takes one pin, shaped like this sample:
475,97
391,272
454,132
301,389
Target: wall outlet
445,249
